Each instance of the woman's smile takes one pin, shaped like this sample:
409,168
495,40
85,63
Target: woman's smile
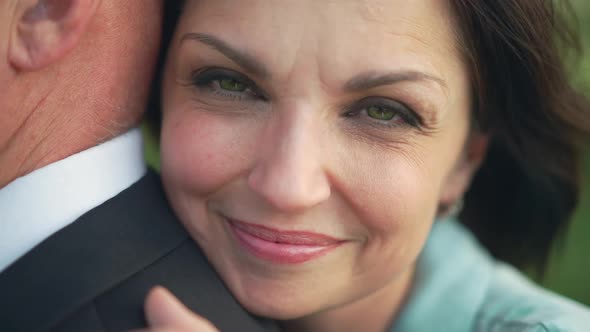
282,246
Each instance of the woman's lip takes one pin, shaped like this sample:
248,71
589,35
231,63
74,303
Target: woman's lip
284,237
285,247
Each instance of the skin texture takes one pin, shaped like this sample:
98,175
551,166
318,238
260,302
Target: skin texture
58,94
296,150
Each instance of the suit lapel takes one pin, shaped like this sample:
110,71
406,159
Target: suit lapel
99,250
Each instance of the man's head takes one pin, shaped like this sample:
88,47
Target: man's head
73,73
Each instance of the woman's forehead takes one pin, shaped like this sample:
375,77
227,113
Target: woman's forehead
426,20
333,36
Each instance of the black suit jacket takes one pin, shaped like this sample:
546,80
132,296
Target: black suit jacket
94,274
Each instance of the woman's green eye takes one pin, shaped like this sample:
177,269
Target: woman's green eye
380,113
232,85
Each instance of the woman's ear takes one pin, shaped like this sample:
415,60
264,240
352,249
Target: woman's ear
44,31
460,177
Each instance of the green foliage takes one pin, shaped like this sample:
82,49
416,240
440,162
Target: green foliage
151,151
569,269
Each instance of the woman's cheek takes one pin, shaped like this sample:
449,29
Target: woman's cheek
392,190
394,206
200,152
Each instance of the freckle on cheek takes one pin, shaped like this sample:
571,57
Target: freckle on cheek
198,166
198,153
177,124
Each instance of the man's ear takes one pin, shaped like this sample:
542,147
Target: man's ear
460,177
46,30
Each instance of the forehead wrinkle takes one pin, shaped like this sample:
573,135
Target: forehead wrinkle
301,66
420,35
370,10
376,11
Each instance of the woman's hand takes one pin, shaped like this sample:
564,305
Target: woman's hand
165,313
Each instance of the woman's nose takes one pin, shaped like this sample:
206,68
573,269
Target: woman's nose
289,173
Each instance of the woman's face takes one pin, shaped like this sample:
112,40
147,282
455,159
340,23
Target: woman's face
307,144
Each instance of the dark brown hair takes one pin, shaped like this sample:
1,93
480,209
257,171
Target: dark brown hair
524,195
529,185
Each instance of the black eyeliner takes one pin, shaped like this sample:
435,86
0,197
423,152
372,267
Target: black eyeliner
410,117
204,77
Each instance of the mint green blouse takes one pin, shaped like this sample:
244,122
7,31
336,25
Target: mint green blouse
459,287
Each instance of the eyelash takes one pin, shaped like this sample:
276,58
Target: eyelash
407,115
209,80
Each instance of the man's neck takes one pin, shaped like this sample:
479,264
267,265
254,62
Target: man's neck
26,152
45,116
37,143
373,313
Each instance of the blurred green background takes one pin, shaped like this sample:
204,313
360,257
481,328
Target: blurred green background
569,268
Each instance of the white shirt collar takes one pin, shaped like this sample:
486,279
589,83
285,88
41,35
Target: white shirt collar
35,206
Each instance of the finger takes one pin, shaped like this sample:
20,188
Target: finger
164,310
160,330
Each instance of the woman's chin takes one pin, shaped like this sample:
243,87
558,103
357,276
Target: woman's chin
275,304
276,312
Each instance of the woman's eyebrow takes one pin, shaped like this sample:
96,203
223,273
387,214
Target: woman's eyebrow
372,79
239,57
363,81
